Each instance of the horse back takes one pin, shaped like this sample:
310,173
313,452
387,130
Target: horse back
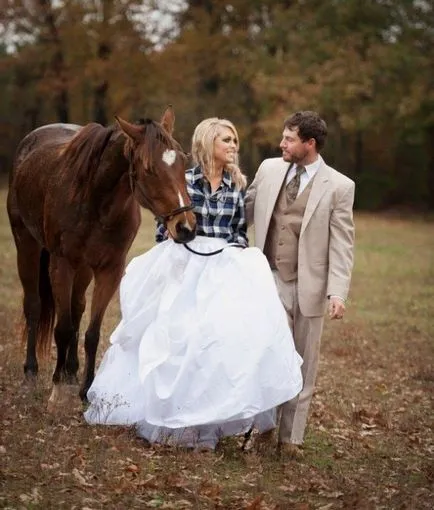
36,160
51,134
55,193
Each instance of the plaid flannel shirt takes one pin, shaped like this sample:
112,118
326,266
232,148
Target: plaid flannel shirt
219,214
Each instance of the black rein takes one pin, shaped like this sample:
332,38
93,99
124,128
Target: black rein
215,252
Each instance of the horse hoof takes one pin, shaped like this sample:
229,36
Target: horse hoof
83,395
30,379
55,397
61,394
71,379
51,407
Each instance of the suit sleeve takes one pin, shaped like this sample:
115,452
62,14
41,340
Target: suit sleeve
341,245
251,196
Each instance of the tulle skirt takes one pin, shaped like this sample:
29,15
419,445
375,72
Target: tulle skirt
203,348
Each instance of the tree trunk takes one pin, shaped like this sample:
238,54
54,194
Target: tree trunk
430,149
57,63
100,93
101,88
358,153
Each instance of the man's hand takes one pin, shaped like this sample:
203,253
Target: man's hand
336,307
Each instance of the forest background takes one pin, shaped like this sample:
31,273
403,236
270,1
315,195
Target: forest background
366,66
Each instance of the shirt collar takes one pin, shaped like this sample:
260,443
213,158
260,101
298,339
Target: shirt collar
197,175
312,168
227,178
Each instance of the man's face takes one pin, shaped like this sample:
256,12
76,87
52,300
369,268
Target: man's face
294,150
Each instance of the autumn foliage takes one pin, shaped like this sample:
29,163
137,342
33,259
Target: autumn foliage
365,66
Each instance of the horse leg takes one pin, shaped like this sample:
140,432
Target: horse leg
62,277
82,280
106,283
28,262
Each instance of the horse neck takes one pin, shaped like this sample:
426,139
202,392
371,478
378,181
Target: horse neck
111,187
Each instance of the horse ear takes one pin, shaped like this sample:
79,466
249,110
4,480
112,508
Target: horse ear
131,130
168,119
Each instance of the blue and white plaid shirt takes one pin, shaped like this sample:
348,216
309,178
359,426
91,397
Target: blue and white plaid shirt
219,214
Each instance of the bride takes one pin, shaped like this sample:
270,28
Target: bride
203,349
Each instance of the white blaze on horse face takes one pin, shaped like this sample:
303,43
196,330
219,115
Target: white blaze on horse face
181,200
182,204
169,157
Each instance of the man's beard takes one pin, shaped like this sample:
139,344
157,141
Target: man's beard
295,158
291,159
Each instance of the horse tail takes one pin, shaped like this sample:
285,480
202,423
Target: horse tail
48,313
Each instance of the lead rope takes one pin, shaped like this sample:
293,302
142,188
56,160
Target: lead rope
211,253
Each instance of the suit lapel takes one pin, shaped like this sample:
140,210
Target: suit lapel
319,187
274,188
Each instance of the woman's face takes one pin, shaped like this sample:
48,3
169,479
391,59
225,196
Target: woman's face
225,147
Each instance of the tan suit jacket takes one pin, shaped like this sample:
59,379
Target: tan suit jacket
325,251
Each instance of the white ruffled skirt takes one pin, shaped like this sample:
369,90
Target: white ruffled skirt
203,349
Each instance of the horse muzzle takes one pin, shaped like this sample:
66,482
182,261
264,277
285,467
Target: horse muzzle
184,234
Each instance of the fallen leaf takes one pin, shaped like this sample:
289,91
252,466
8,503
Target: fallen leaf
80,478
256,503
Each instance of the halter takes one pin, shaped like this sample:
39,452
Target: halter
162,218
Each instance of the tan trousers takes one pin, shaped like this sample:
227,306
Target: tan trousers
307,338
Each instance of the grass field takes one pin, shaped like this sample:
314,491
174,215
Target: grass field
370,442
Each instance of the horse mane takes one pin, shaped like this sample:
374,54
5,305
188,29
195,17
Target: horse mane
82,155
153,135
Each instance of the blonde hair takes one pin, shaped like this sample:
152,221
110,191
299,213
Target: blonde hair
202,149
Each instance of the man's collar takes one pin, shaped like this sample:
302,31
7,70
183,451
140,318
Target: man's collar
313,168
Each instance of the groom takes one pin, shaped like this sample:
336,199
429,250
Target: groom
302,210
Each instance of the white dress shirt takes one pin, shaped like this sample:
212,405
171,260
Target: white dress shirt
306,176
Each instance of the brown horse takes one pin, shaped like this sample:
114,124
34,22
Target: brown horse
74,208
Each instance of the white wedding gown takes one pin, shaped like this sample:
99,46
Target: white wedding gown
203,348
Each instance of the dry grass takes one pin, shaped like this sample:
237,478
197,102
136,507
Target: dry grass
370,440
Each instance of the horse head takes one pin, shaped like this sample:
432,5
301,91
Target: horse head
157,166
